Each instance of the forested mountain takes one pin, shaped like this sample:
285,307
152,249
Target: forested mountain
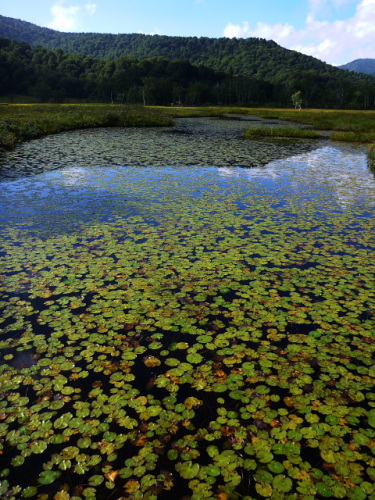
243,71
366,66
55,76
250,56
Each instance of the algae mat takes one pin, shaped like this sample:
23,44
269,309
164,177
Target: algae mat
189,332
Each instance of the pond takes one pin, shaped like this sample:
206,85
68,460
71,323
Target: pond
186,314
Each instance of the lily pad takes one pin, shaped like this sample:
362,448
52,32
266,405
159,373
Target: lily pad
48,476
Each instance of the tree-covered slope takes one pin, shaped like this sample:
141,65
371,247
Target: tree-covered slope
366,66
52,75
250,56
257,71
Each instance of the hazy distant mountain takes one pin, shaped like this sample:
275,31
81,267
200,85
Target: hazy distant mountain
366,66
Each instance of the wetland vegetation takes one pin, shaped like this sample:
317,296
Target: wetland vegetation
292,132
186,293
339,125
20,122
176,326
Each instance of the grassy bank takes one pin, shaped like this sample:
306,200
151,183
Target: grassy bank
343,121
348,126
19,122
353,136
292,132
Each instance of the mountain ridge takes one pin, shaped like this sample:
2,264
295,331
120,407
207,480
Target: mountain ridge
222,54
365,65
252,70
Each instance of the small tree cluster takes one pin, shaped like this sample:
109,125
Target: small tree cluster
297,100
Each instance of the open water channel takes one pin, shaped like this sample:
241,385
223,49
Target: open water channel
186,314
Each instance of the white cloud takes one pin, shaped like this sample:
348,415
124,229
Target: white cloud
67,18
336,42
322,5
90,8
64,18
237,31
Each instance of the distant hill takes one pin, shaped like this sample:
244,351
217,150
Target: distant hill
366,66
251,70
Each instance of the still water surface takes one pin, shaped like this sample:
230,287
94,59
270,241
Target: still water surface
64,180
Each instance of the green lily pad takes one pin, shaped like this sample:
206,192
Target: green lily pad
193,332
96,480
213,470
48,476
276,467
189,470
282,483
324,490
357,493
371,418
38,447
263,476
264,489
217,387
29,492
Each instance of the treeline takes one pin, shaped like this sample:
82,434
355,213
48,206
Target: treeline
53,76
56,76
278,71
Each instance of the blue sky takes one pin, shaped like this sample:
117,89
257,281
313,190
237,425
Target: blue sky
335,31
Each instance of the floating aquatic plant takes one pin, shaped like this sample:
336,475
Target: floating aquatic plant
210,334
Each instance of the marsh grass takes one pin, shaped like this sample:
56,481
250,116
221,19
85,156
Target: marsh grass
353,136
22,122
345,121
193,112
319,119
292,132
371,156
344,125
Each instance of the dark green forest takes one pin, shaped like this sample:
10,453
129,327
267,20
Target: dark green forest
151,69
53,76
